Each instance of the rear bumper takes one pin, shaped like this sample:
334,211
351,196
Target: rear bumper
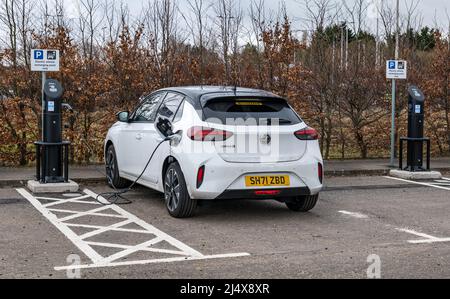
227,180
252,194
224,180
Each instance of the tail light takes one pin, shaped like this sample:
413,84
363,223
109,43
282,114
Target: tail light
208,134
200,176
321,173
307,134
268,193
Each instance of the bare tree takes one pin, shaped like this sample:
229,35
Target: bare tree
228,20
260,20
198,24
88,26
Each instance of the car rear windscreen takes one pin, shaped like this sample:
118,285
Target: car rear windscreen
251,111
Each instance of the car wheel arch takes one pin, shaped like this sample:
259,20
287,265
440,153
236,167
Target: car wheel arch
108,144
169,160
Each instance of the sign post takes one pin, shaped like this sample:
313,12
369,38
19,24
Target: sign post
395,69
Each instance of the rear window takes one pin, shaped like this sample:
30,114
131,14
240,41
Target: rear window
263,111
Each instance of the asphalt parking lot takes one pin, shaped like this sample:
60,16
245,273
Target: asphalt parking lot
404,223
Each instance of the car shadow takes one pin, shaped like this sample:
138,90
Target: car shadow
248,209
226,210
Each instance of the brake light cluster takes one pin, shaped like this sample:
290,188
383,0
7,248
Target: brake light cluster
321,173
208,134
268,192
307,134
200,176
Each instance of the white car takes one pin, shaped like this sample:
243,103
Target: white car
229,143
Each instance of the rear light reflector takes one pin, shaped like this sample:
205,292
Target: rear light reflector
268,192
200,176
208,134
307,134
321,173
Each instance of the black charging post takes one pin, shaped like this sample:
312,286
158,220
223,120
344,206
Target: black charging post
52,153
415,168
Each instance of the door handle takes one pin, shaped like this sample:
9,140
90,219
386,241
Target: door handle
139,136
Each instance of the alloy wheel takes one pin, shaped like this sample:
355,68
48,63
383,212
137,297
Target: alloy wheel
172,190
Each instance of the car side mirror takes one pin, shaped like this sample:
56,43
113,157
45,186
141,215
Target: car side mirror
123,116
164,126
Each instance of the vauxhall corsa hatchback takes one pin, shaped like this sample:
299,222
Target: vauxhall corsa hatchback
230,143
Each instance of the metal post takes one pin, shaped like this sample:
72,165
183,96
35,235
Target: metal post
44,78
401,154
394,101
394,87
66,163
44,163
38,162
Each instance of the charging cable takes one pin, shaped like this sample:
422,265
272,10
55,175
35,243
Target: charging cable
115,196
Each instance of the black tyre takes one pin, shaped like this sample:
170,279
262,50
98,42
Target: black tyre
112,170
178,202
303,203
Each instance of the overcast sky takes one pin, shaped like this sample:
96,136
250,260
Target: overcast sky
433,12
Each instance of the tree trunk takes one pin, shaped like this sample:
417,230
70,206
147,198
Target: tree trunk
361,143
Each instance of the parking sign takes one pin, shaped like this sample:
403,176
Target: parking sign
44,60
38,54
397,69
392,64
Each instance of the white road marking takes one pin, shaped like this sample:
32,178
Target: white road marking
442,184
427,239
72,236
124,230
109,245
355,215
156,236
62,201
418,183
447,179
158,261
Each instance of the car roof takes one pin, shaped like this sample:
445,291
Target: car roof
200,95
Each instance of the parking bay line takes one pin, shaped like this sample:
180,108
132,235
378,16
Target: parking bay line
427,239
98,261
148,262
418,183
355,215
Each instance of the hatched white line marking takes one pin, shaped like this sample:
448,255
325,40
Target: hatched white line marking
158,261
90,214
62,201
427,239
156,236
124,230
355,215
72,236
146,249
418,183
105,229
443,181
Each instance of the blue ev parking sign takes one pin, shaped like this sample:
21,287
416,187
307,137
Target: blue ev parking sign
44,60
397,69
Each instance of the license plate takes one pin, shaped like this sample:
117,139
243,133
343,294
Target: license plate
268,181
